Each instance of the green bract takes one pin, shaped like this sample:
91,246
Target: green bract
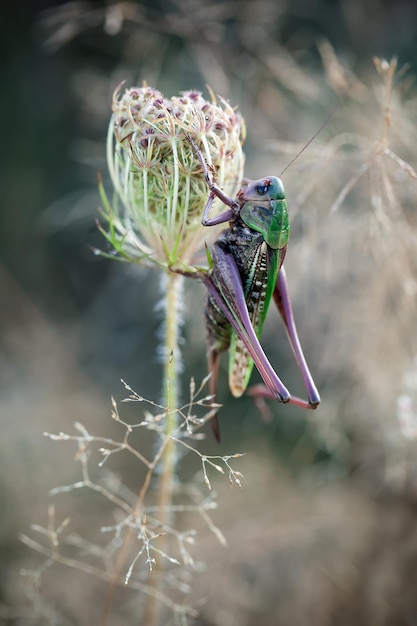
160,187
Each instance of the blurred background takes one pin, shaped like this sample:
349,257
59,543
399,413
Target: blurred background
324,530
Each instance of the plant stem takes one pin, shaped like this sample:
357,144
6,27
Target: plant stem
166,457
172,365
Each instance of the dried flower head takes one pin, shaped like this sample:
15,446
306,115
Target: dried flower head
157,176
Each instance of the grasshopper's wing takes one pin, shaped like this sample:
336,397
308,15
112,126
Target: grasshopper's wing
262,276
229,295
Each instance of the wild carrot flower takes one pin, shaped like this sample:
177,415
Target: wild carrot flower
160,194
160,187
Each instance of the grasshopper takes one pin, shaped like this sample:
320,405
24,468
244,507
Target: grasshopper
246,273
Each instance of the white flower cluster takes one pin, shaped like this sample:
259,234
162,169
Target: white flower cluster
157,174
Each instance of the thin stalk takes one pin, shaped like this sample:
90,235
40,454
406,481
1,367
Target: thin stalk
172,360
165,458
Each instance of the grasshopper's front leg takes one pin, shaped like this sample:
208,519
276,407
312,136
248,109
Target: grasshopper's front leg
282,299
215,192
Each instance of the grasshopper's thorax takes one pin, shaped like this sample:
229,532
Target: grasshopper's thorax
264,210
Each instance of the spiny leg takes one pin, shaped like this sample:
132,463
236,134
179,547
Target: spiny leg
260,392
215,192
283,302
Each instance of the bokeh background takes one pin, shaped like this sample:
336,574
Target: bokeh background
324,531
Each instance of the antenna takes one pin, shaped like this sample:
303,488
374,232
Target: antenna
328,117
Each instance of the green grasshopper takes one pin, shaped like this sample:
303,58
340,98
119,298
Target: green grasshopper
246,272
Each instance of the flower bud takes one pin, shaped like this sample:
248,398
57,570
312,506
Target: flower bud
157,175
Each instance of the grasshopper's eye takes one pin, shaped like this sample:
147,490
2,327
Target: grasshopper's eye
262,189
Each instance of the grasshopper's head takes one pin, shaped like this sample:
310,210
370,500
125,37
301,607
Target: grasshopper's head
265,210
